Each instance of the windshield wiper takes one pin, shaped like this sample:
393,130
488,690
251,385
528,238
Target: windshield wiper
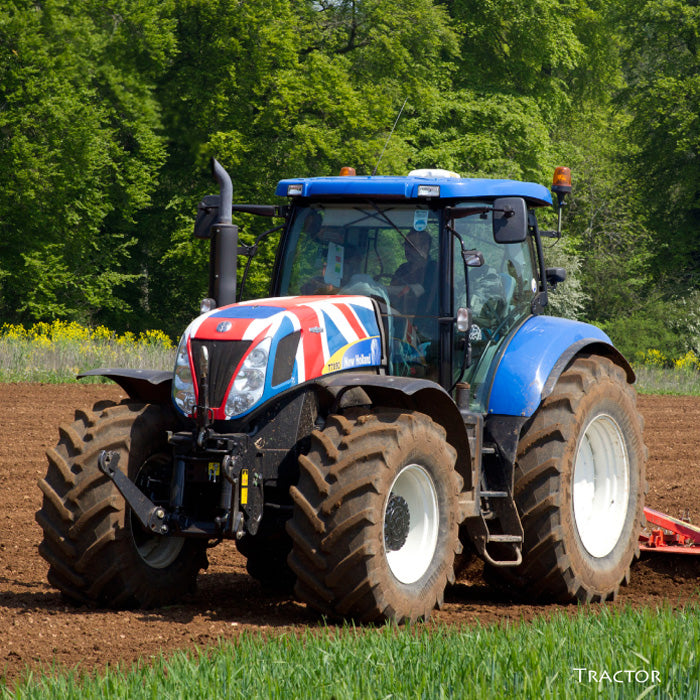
462,212
383,215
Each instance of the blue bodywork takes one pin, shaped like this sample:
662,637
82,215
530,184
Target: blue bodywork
384,187
530,357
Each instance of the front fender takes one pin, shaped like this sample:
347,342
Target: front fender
412,394
535,357
147,385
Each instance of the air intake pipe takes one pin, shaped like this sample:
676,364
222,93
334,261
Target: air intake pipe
224,243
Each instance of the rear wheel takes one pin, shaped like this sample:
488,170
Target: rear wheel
375,525
97,550
580,484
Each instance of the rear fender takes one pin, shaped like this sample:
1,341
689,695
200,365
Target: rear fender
146,385
532,362
404,392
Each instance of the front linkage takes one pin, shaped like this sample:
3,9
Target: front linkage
213,462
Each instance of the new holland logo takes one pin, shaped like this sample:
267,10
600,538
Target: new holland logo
223,327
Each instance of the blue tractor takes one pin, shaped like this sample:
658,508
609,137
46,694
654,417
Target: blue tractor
399,401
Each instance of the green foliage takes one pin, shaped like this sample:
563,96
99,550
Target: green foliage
528,48
78,150
658,324
570,298
662,69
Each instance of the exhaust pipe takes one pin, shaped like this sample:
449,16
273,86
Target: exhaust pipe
223,250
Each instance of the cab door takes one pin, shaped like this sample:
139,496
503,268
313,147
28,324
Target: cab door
499,294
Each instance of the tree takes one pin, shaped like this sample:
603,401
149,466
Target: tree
662,69
79,151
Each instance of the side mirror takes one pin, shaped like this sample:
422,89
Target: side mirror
509,220
473,258
555,275
207,216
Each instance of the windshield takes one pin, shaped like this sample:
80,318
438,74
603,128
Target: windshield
388,252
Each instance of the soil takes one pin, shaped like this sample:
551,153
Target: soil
38,628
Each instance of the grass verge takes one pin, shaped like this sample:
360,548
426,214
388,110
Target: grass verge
56,352
659,380
619,653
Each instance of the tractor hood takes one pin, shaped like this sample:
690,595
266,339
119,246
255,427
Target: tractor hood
250,352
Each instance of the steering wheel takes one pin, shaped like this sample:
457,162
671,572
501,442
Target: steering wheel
365,285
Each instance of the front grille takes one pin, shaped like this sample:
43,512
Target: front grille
224,356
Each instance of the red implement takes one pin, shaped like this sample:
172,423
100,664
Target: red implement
670,535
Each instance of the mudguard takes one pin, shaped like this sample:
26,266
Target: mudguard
535,357
147,385
410,393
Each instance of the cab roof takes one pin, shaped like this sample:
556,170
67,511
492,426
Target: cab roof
392,187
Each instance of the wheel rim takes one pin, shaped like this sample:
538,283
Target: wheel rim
411,524
157,551
601,489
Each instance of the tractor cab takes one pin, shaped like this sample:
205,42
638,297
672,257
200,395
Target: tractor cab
428,250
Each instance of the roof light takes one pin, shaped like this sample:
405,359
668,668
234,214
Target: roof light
347,170
561,182
295,190
428,190
433,173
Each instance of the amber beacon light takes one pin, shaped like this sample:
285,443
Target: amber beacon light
561,186
561,182
347,170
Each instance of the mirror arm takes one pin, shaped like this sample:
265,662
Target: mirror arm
250,252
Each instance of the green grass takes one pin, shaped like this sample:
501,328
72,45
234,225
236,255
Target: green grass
528,660
659,380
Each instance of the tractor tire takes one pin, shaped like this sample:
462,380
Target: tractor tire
375,526
266,558
580,482
97,550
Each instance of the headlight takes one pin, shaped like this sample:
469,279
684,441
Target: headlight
249,384
183,382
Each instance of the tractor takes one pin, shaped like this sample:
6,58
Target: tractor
399,402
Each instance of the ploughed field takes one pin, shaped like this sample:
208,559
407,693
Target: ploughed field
37,627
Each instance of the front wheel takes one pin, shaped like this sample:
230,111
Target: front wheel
579,486
97,550
375,524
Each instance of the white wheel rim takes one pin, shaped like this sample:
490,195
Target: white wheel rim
601,488
412,559
159,552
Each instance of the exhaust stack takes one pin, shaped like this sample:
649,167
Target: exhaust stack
223,251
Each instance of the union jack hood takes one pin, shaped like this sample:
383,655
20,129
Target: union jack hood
334,333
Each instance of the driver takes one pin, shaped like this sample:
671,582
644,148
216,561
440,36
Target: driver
414,278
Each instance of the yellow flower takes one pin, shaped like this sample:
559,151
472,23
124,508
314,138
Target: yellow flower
157,339
689,362
102,334
653,358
